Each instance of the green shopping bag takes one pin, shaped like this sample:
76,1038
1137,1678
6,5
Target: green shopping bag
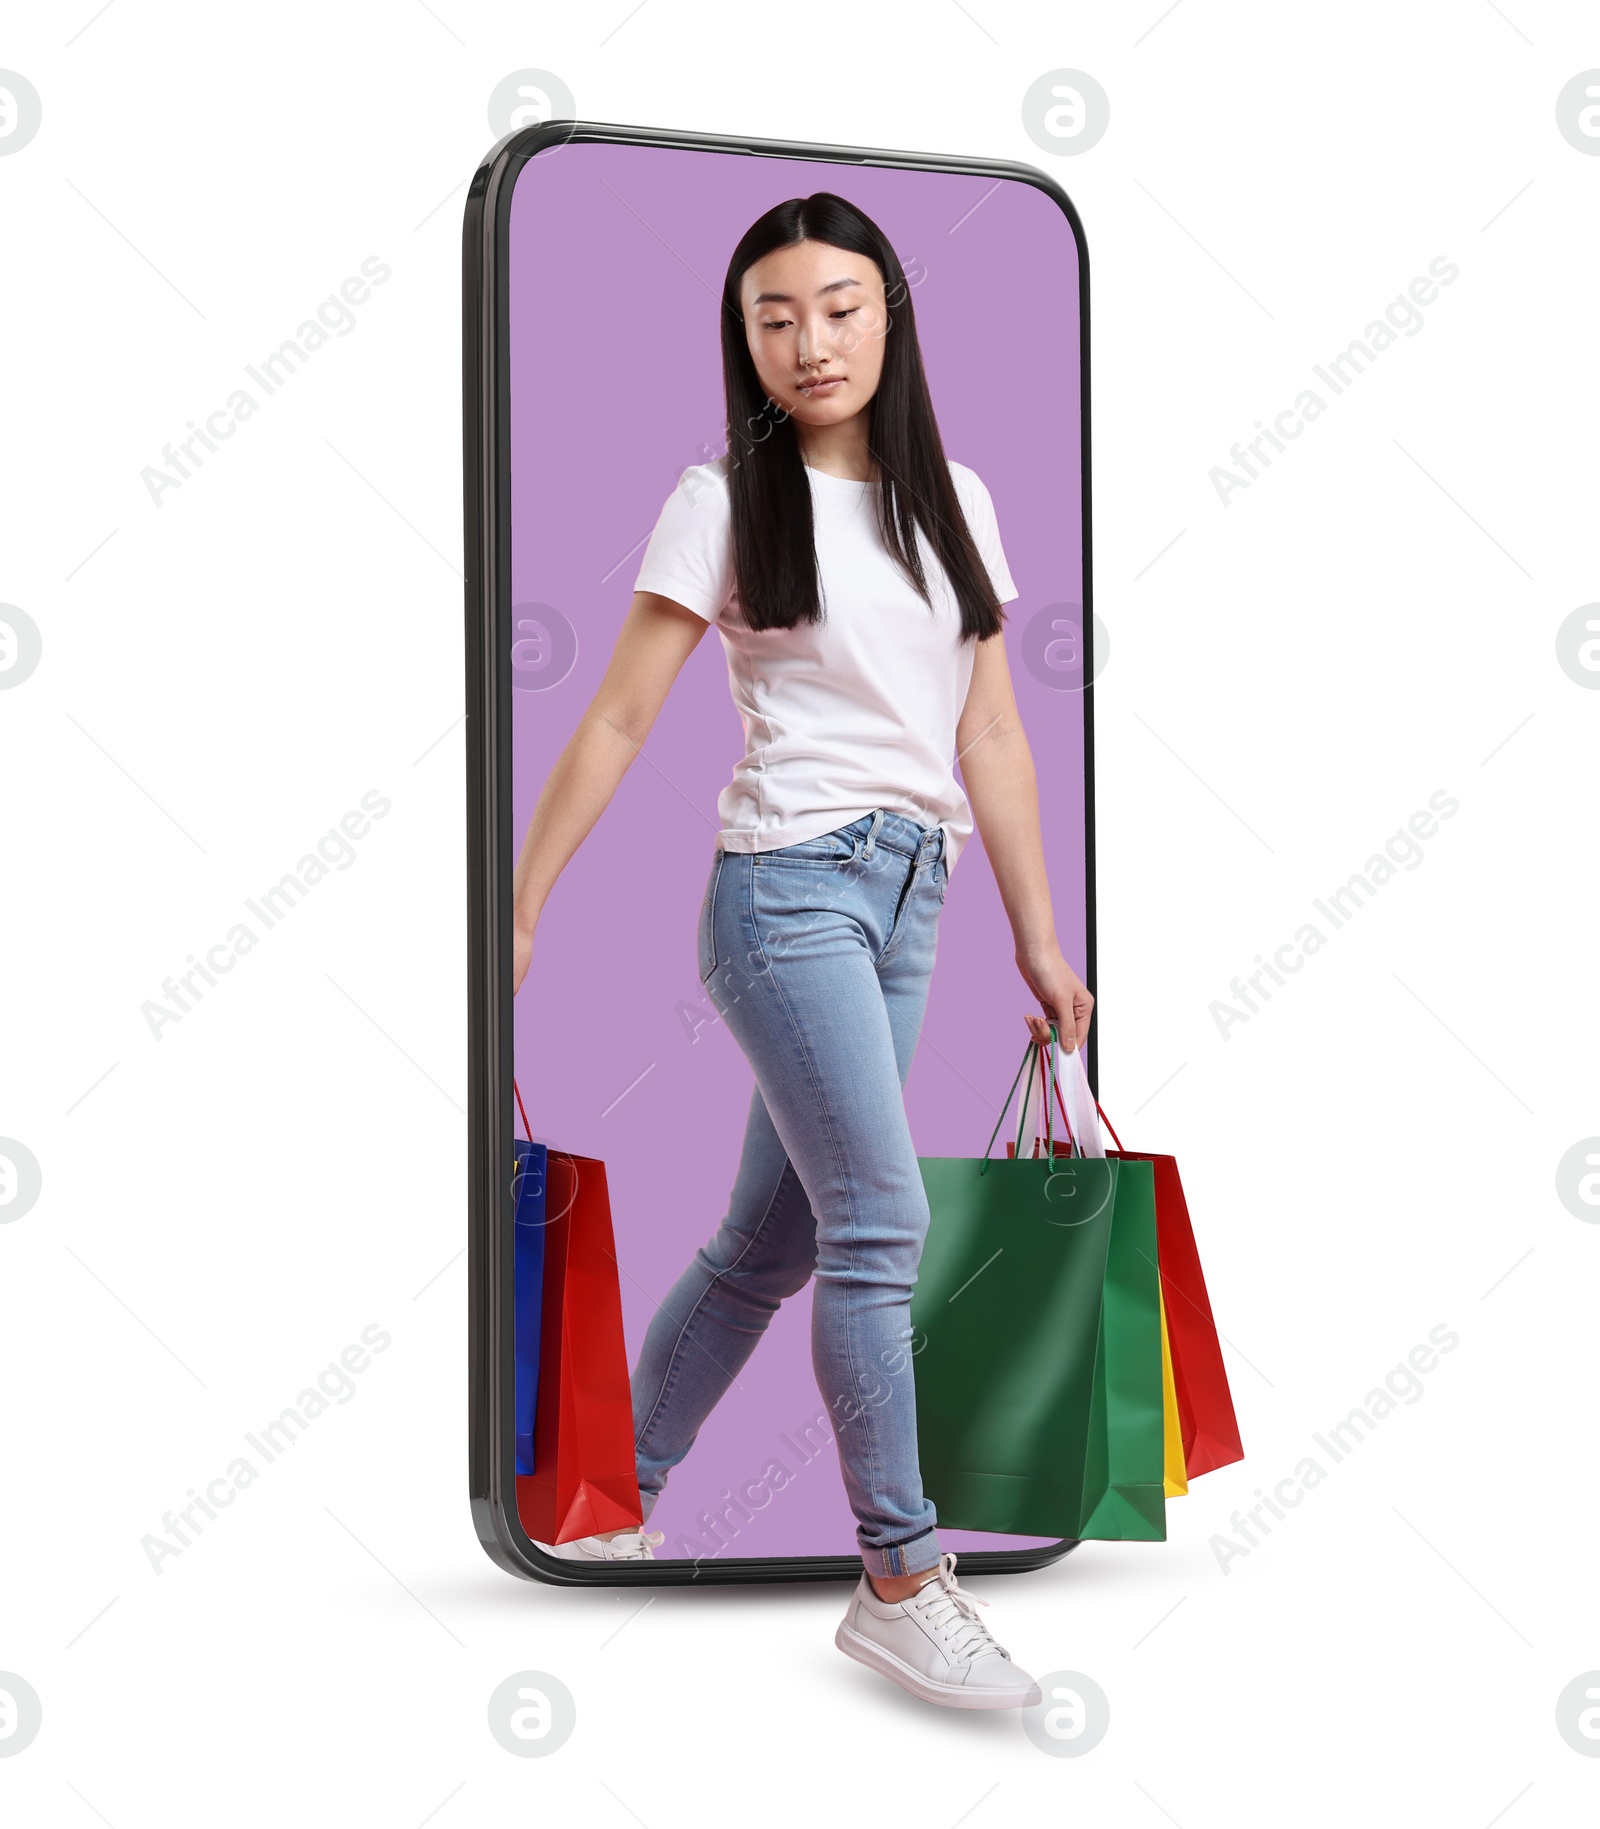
1036,1325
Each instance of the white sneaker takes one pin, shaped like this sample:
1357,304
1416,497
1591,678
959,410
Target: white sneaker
631,1546
935,1645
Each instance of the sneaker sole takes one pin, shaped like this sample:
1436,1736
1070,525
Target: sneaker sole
864,1651
562,1554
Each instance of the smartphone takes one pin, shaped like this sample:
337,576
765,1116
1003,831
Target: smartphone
594,258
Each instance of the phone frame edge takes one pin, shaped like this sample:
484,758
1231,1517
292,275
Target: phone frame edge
487,565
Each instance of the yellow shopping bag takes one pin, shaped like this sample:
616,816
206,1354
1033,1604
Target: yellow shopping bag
1175,1480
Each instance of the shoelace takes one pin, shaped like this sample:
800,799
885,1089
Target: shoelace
948,1607
636,1542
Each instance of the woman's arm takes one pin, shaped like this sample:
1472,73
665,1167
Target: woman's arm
656,638
1003,790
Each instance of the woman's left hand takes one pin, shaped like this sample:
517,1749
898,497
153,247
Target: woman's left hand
1061,994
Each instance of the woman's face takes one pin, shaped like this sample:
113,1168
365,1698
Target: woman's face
814,318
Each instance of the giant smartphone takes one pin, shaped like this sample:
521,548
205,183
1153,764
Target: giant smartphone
593,265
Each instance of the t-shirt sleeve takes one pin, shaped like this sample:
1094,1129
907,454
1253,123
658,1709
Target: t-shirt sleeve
978,506
690,554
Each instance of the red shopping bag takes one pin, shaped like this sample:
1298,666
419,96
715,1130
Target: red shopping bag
584,1477
1205,1403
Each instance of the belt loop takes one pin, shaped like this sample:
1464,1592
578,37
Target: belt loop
872,832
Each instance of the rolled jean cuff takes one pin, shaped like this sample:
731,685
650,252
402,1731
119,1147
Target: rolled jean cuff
909,1558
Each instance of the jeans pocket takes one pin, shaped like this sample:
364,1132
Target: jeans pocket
708,921
826,848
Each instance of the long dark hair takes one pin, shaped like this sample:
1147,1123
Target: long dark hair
774,548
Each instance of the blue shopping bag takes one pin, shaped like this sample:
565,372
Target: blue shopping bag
527,1281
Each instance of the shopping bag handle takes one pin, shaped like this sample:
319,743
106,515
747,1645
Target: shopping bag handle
1087,1098
1040,1079
1092,1100
526,1126
1043,1079
1108,1124
1064,1118
1032,1049
1099,1108
1085,1108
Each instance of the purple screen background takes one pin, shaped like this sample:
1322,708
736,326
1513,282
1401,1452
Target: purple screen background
617,256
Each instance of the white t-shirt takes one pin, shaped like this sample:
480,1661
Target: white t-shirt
857,711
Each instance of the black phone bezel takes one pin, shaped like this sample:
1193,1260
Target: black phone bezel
490,847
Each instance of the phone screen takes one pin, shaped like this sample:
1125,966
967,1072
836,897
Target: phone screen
615,263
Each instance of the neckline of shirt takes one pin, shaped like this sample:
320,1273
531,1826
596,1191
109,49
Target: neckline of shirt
849,482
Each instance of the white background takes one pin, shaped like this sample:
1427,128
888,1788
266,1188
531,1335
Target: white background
1291,676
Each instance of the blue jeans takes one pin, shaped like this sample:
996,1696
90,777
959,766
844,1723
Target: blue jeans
818,957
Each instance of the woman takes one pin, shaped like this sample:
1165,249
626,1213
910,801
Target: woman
856,578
